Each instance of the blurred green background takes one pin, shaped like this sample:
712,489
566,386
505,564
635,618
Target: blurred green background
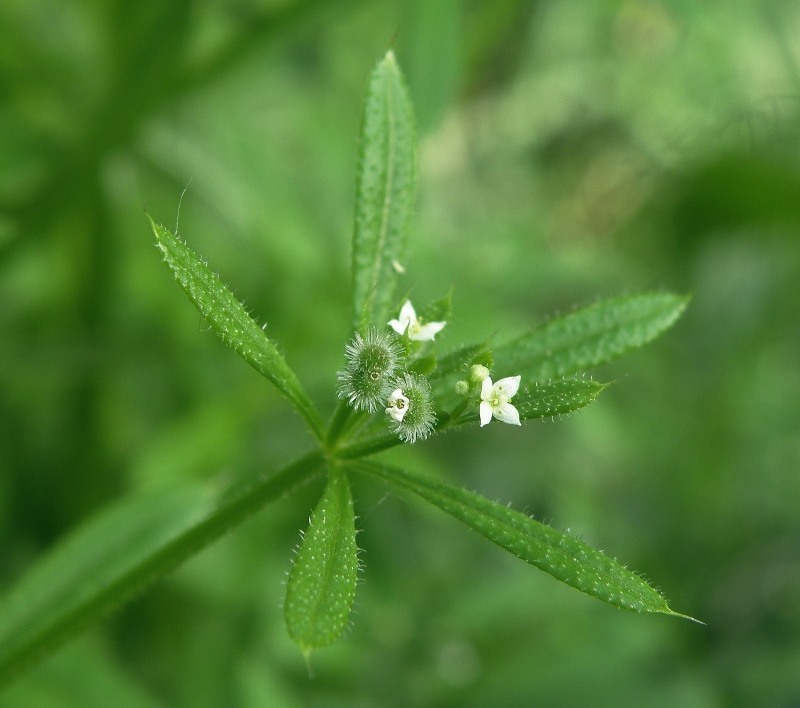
568,151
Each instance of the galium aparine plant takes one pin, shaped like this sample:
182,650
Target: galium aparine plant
393,375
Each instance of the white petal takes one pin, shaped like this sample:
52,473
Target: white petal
395,396
398,326
406,320
507,413
486,388
486,413
508,386
397,413
427,332
408,313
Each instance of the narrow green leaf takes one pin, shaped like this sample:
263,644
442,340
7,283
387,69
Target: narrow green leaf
385,183
589,336
230,321
565,557
458,361
440,310
322,583
424,365
432,44
547,400
116,554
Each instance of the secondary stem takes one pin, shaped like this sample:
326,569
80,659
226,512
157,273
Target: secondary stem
338,422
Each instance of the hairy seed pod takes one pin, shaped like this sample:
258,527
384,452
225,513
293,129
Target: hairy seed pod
419,419
372,362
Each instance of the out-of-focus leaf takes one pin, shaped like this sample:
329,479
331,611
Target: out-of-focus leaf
322,583
588,336
440,310
63,680
116,554
384,193
230,321
431,51
565,557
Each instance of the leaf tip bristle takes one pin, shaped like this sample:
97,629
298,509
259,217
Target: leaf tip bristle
680,615
306,651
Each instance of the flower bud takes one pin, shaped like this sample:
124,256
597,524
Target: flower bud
477,373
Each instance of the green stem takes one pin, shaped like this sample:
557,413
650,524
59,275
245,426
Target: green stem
345,423
368,447
362,448
448,418
338,423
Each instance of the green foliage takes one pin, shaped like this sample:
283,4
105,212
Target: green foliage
230,321
553,167
117,554
112,557
550,399
322,583
546,400
384,193
458,361
590,336
563,556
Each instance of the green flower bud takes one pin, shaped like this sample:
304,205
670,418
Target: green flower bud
477,373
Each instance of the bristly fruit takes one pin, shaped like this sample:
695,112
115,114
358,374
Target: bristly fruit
372,362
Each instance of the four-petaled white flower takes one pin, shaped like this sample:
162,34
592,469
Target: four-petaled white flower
397,405
407,322
496,400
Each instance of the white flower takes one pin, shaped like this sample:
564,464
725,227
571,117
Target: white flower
496,400
397,405
407,322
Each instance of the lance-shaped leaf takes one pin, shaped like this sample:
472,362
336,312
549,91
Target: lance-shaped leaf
230,321
589,336
384,193
322,583
563,556
116,554
547,400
